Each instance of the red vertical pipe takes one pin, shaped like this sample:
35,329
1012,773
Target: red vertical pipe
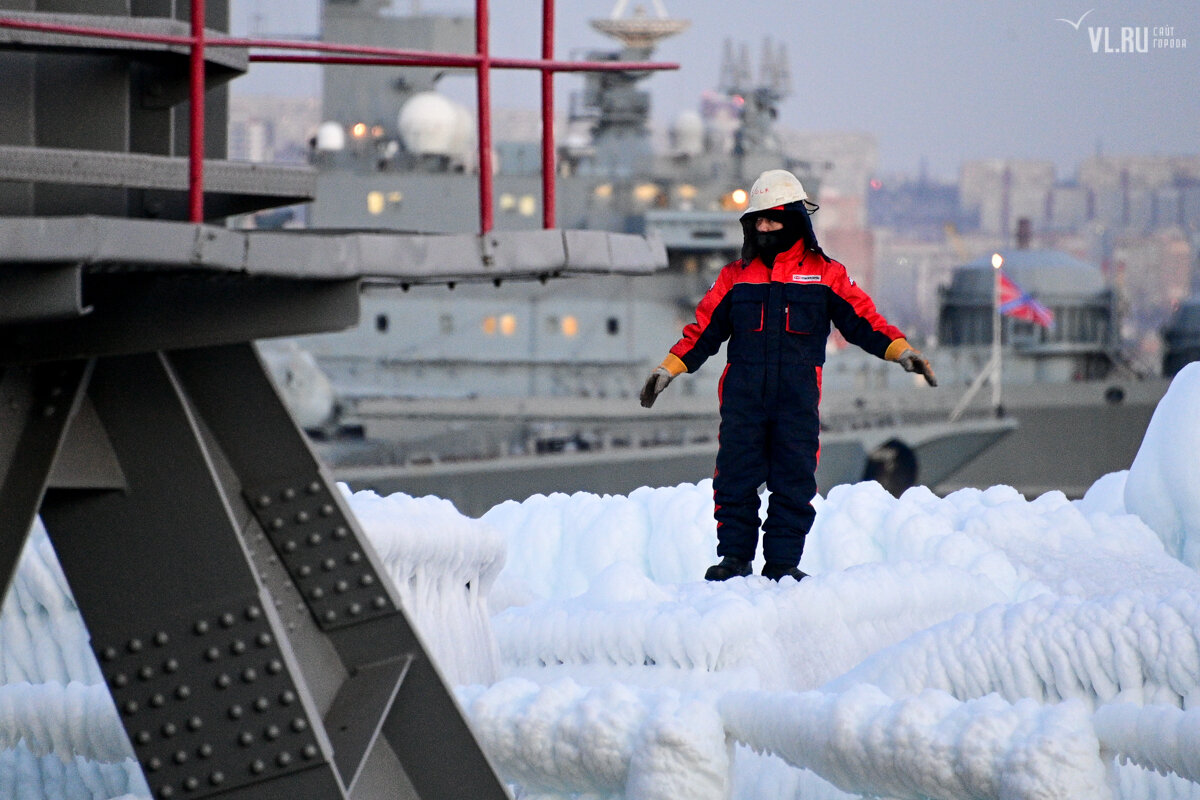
548,200
484,93
196,120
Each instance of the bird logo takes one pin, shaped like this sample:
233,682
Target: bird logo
1075,25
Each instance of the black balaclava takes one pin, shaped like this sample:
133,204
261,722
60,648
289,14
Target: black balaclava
796,226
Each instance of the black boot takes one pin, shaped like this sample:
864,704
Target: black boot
777,571
729,567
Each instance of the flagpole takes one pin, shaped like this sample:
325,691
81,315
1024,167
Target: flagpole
997,263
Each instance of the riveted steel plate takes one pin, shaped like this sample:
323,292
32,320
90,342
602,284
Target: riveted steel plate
321,551
208,701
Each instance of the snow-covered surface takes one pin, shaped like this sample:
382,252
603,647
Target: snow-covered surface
982,645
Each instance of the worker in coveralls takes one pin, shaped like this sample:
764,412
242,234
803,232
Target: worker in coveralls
774,305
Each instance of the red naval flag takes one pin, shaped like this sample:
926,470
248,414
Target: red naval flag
1016,302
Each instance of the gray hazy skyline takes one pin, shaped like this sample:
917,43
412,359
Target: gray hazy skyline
939,81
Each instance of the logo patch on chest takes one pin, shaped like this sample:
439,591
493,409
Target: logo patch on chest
800,278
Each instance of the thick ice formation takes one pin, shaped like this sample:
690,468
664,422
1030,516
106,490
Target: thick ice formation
1162,487
443,565
927,744
975,646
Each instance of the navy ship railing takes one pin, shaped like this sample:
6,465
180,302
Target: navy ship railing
482,61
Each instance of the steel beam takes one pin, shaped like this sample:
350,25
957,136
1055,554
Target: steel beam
36,407
308,524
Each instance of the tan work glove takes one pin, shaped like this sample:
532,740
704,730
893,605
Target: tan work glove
913,361
654,385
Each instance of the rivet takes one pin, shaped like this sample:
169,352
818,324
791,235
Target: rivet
253,613
154,764
238,647
329,564
264,500
367,579
299,724
283,759
109,653
120,680
170,665
49,411
289,493
355,609
304,570
330,615
262,704
287,698
301,517
314,539
314,487
195,724
341,532
223,681
205,750
166,792
157,701
327,510
212,654
317,593
134,645
180,757
161,638
201,627
235,712
191,783
216,778
272,732
169,730
250,675
257,766
354,557
227,620
142,737
380,602
146,673
342,586
131,707
183,692
309,751
245,738
264,639
290,546
274,666
278,523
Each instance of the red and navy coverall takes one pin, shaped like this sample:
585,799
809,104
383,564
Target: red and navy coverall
777,322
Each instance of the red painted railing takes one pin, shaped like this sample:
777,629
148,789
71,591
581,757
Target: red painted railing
331,53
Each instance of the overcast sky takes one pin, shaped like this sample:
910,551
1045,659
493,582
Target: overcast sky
940,80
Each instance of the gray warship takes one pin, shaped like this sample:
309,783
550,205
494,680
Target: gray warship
491,392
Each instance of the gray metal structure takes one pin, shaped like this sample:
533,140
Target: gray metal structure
244,626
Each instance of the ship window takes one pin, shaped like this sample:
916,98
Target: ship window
375,202
508,324
489,326
381,323
570,326
613,326
508,202
527,205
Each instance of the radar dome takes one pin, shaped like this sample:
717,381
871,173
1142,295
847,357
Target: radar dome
331,136
431,124
688,132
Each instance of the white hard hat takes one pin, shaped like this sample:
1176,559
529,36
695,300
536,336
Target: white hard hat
774,188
